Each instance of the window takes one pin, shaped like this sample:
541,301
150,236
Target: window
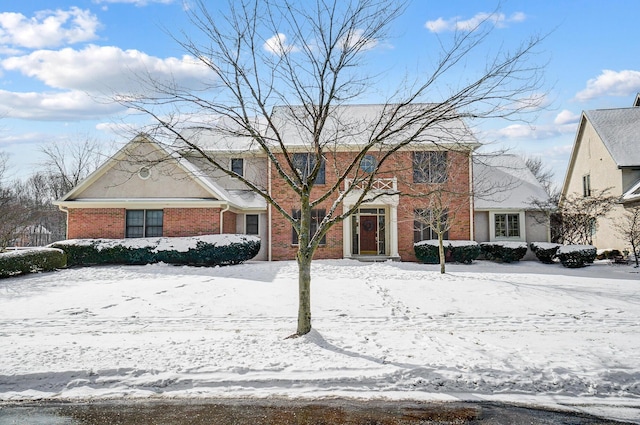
586,185
316,217
304,162
429,167
368,163
251,224
507,225
423,219
143,223
237,166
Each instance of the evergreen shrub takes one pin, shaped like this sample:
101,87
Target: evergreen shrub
506,252
31,261
458,251
544,251
574,256
208,250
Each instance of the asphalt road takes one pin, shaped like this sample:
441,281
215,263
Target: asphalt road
282,412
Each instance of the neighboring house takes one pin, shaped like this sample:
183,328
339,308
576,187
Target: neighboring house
606,155
35,235
505,192
135,195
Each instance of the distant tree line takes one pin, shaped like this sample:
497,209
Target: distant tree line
28,216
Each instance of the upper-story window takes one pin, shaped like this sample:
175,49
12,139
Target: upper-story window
305,162
237,166
429,167
586,185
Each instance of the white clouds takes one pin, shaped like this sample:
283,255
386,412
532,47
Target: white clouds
98,69
566,117
278,45
457,24
93,71
611,83
48,28
355,38
73,105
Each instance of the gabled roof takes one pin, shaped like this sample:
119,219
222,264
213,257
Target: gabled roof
504,182
194,173
619,130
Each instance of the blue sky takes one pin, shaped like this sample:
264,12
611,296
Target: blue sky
58,56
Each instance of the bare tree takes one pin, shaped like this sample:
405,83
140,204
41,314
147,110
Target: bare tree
575,219
629,229
309,59
14,208
443,202
68,162
544,175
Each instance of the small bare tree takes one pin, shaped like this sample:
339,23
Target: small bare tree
629,230
310,60
577,216
544,175
444,200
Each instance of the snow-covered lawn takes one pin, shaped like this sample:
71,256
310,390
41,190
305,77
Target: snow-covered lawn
524,332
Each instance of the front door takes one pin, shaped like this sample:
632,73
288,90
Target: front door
368,234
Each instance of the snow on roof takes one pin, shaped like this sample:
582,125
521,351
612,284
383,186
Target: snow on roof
505,182
353,125
348,125
222,136
247,199
619,130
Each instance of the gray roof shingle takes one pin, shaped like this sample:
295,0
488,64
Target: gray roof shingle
619,130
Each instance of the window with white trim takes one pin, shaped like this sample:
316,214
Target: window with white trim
507,225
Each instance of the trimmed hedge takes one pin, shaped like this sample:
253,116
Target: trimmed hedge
31,261
544,251
458,251
507,252
208,250
574,256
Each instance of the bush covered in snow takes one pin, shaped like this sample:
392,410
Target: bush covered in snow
507,252
459,251
31,261
576,255
544,251
206,250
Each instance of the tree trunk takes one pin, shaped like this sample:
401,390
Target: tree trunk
441,252
304,293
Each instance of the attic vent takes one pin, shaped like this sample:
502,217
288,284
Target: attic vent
144,173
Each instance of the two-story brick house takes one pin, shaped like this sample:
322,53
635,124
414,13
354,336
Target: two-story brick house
147,190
